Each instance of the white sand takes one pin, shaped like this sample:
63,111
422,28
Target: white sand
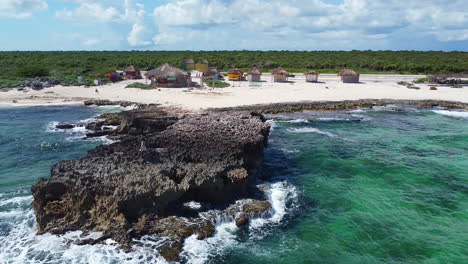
372,86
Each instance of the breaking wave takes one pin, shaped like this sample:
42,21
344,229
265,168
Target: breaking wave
20,244
456,114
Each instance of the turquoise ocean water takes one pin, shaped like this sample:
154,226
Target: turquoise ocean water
392,188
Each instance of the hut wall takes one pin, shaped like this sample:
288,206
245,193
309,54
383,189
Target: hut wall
280,77
201,67
254,77
350,78
178,83
311,78
234,77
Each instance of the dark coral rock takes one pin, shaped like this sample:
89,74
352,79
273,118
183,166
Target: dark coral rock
126,193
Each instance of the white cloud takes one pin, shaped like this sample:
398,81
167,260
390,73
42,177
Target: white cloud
309,24
91,13
125,12
21,8
136,37
91,42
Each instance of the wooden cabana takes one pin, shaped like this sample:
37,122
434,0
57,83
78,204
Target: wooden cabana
311,76
132,73
168,76
280,75
349,76
235,75
254,75
212,73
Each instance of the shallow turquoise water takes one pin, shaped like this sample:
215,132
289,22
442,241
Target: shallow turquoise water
390,189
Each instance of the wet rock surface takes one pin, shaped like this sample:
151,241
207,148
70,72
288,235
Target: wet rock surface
127,193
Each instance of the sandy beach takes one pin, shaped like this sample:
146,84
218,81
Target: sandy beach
329,88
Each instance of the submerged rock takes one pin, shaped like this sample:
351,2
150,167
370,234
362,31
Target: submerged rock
65,125
126,193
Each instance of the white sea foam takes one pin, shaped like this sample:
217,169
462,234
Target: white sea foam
300,120
20,200
283,198
456,114
22,245
311,130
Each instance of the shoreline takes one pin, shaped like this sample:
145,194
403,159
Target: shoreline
241,94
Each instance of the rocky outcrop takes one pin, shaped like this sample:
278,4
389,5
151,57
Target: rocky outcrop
40,83
340,105
100,102
126,193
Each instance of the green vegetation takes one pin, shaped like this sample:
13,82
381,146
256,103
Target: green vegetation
217,84
141,86
66,66
31,71
433,88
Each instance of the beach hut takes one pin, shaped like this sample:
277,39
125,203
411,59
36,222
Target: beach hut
132,73
212,73
168,76
235,75
280,75
188,65
311,76
254,75
349,76
202,66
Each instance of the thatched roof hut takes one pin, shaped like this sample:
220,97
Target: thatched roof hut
131,68
280,75
132,73
188,65
349,76
235,74
212,72
311,76
202,66
254,74
168,76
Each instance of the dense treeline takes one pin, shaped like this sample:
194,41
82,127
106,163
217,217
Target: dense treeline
66,66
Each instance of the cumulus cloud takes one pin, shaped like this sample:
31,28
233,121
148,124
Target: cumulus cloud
21,8
311,24
126,12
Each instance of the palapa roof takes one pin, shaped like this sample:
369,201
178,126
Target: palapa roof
311,73
279,70
211,71
189,61
204,62
347,72
235,71
254,71
165,71
131,68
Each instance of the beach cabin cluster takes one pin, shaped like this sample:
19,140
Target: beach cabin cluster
169,76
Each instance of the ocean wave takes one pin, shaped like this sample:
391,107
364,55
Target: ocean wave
22,245
20,200
283,198
456,114
311,130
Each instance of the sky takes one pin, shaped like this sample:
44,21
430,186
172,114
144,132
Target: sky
234,25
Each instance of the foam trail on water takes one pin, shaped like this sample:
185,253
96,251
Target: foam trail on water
456,114
311,130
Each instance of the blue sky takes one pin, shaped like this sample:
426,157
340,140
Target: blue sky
233,25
